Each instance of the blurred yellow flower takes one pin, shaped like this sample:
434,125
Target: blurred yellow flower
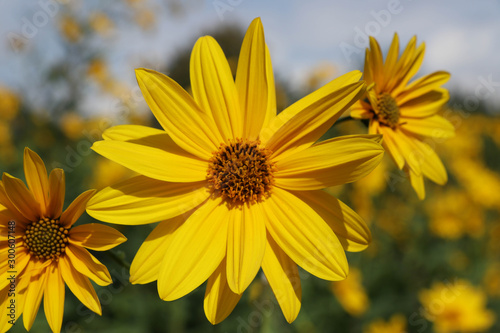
237,186
454,214
145,18
40,245
351,294
101,23
396,324
491,280
72,125
107,172
9,104
457,307
406,113
70,29
98,70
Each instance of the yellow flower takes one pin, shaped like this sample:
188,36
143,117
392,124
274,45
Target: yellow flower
40,251
239,186
457,307
351,294
397,324
70,29
405,113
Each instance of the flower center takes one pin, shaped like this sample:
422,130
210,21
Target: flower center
46,239
241,171
388,110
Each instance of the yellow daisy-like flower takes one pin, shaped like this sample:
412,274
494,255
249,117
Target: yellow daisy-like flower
406,113
40,251
238,185
458,307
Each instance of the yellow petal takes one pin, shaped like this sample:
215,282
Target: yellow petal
390,145
36,178
271,91
434,126
349,227
407,150
213,87
390,62
147,261
131,132
304,122
329,163
88,265
79,285
21,197
5,323
96,236
76,208
57,191
246,241
423,85
376,63
417,182
252,79
11,212
180,116
154,157
220,300
304,236
196,250
283,277
53,300
34,295
410,69
141,200
425,105
429,161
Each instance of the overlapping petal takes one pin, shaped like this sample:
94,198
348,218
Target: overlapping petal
76,208
329,163
53,300
304,236
88,265
96,236
304,122
199,245
57,191
141,200
21,197
192,129
36,178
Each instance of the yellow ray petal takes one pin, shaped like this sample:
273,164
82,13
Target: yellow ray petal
410,69
53,300
213,87
96,236
304,122
220,300
349,227
147,261
196,250
79,285
246,241
5,324
390,62
417,182
425,105
252,79
34,295
88,265
429,161
390,145
21,262
423,85
406,148
304,236
36,178
156,159
12,213
76,208
21,197
376,63
367,71
271,91
177,112
329,163
57,191
141,200
131,132
434,126
283,277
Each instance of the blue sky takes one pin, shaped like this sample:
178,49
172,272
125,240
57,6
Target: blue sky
462,37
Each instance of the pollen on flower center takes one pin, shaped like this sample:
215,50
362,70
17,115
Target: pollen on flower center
388,110
46,239
241,171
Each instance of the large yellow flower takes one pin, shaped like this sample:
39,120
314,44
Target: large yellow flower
406,113
239,186
40,251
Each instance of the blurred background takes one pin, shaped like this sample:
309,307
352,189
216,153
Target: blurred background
67,74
